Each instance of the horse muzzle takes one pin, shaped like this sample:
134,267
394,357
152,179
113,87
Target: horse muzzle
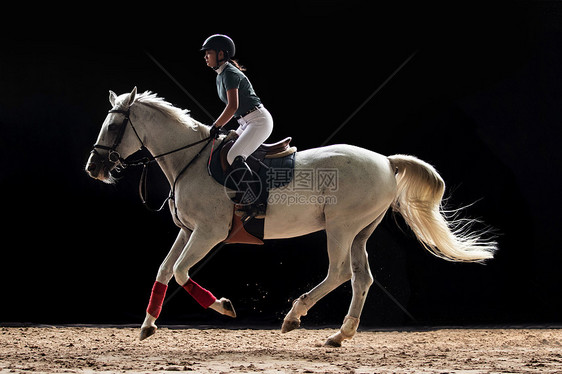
99,167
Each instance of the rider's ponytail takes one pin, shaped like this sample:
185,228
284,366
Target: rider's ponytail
238,66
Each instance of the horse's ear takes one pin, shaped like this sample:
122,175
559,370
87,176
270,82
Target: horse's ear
112,98
132,97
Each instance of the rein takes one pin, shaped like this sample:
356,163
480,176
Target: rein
115,158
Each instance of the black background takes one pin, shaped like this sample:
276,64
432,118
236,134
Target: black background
480,100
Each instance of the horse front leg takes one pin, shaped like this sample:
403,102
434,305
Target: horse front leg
199,245
165,273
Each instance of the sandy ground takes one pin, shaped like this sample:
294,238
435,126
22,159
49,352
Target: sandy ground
118,350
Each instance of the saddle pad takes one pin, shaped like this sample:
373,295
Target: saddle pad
272,172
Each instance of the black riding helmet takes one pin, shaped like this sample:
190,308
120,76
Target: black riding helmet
219,42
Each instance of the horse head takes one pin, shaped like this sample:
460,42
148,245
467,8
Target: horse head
117,138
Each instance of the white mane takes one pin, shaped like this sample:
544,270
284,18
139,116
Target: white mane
151,100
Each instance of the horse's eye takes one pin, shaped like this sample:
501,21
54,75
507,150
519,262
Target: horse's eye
112,127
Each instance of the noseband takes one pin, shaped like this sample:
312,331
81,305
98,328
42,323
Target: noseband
113,156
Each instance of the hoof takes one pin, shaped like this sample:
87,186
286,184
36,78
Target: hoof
147,332
228,308
332,343
290,325
334,340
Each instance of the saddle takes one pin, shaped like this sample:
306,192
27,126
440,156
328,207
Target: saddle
273,166
279,149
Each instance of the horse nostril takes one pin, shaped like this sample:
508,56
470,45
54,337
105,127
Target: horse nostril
91,167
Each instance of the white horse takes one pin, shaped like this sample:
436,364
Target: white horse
348,208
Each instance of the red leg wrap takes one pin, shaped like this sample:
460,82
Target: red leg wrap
156,299
204,297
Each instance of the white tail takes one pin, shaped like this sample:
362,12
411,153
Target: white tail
418,200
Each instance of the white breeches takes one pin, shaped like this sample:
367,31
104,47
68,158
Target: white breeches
254,129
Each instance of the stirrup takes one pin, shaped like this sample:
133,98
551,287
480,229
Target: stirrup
247,217
248,212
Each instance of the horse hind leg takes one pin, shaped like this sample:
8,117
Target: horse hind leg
339,271
361,282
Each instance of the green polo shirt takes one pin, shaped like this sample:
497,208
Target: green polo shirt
230,77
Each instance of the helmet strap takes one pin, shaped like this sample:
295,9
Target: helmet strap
221,60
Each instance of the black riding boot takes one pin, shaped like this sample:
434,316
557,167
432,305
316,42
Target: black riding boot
249,188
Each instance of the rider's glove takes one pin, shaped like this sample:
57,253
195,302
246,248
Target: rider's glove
215,131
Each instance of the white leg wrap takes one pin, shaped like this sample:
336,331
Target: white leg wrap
347,331
300,306
349,327
293,318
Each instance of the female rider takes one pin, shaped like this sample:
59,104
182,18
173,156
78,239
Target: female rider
242,103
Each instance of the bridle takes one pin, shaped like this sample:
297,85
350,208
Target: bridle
115,158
